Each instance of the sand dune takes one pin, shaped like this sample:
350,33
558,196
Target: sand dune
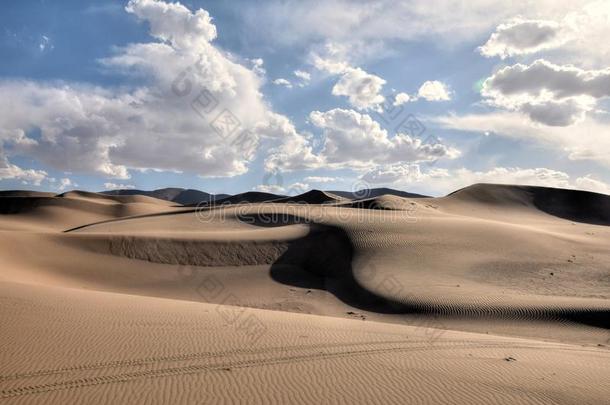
313,197
383,202
573,205
492,294
177,195
41,210
248,197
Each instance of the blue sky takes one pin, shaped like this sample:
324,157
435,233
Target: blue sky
422,96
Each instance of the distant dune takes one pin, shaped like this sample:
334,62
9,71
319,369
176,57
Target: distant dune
194,197
177,195
249,197
574,205
492,294
313,197
383,202
73,208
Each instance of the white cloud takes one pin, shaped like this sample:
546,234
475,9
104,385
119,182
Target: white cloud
402,98
550,94
356,140
298,188
294,188
575,35
270,188
120,186
434,91
588,140
65,182
443,181
589,183
431,90
331,66
295,150
504,175
393,173
362,89
110,131
304,77
174,23
9,171
351,140
541,75
521,37
320,179
258,66
451,21
282,82
589,46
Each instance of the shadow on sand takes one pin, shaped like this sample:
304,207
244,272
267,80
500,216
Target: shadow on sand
323,260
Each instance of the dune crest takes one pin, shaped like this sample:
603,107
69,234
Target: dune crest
572,205
313,197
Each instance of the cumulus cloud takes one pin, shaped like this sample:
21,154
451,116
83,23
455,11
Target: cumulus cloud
434,91
550,94
350,140
294,152
402,98
9,171
577,35
541,76
356,139
521,37
282,82
431,90
194,102
362,89
174,23
303,76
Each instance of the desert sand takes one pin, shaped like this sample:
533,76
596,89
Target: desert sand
492,294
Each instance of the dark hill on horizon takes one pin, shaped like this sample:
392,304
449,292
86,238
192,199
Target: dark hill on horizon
174,194
194,197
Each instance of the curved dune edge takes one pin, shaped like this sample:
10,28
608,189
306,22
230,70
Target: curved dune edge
330,248
326,253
